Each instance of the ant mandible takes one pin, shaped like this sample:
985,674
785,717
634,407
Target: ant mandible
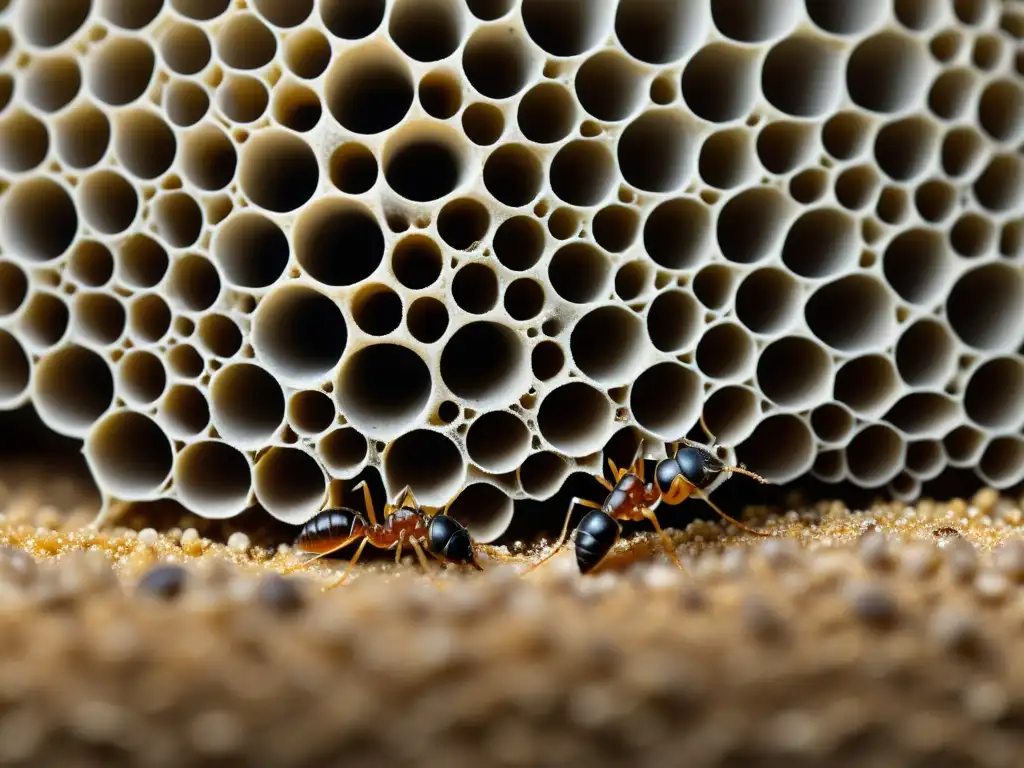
332,529
688,472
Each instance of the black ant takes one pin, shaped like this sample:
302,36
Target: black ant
332,529
688,472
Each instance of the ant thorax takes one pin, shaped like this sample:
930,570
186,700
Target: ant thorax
629,497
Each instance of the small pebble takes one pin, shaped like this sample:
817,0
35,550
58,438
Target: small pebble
279,594
874,605
239,543
149,537
991,586
165,581
875,551
17,567
1008,558
191,543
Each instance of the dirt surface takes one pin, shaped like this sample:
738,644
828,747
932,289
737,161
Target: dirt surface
881,637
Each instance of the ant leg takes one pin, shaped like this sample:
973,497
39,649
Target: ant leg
616,472
398,552
604,482
367,501
344,543
351,565
636,466
739,468
423,560
565,530
666,542
700,494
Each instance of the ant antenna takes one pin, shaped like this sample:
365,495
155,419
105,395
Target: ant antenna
700,494
740,469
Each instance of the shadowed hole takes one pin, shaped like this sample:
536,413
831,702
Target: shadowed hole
353,168
497,62
885,72
674,321
719,83
24,142
751,225
251,250
1002,463
575,418
108,202
498,442
657,152
677,234
547,113
424,164
632,280
952,92
352,19
426,461
426,30
51,82
727,158
820,243
279,171
849,18
802,76
338,242
73,387
194,283
579,273
299,333
875,455
141,378
985,306
583,173
38,221
475,288
782,147
185,48
82,136
416,261
342,450
917,266
297,107
184,412
832,423
971,235
615,227
661,31
994,397
607,344
247,402
714,285
853,313
609,86
483,123
307,52
795,373
290,484
513,175
726,351
463,223
144,144
524,299
935,200
119,70
129,454
547,360
1000,187
867,384
781,448
440,94
90,263
768,300
242,98
845,135
427,319
99,318
926,354
484,362
245,42
212,479
665,399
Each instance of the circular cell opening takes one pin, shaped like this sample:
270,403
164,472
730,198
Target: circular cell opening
352,19
98,318
108,202
353,168
1001,110
1000,187
485,510
886,72
963,445
90,263
579,273
194,284
247,404
994,397
714,285
661,31
795,373
483,123
297,107
144,144
607,344
924,414
427,319
119,70
426,30
926,354
547,113
727,158
310,412
50,82
38,220
416,261
82,136
832,423
665,399
212,479
426,461
185,48
875,456
904,149
24,142
440,94
383,389
498,62
242,98
342,451
632,280
821,242
852,313
802,76
615,227
720,84
279,171
854,18
566,28
513,175
184,412
377,310
251,250
677,234
73,386
290,484
971,235
475,288
484,362
935,200
369,89
609,86
781,448
299,333
962,151
768,301
141,262
583,173
658,151
15,371
141,378
674,321
575,418
925,459
208,158
129,454
245,42
867,384
917,266
284,13
1002,463
857,186
752,224
307,52
524,299
338,242
424,163
726,351
498,442
784,146
985,306
952,92
463,223
547,360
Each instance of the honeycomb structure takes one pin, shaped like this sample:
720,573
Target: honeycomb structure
248,248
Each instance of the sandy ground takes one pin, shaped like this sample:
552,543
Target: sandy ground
890,636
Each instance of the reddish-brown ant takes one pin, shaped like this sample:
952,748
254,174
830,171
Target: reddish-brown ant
405,522
688,472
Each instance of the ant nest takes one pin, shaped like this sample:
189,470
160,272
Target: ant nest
248,250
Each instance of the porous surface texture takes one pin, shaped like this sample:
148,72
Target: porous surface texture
250,247
881,637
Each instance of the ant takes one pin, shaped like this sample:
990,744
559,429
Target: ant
332,529
690,471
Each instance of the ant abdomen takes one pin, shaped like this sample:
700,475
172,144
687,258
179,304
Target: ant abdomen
323,531
595,536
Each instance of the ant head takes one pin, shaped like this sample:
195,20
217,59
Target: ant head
692,466
448,538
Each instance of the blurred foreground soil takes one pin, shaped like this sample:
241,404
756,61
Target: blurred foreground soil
892,636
